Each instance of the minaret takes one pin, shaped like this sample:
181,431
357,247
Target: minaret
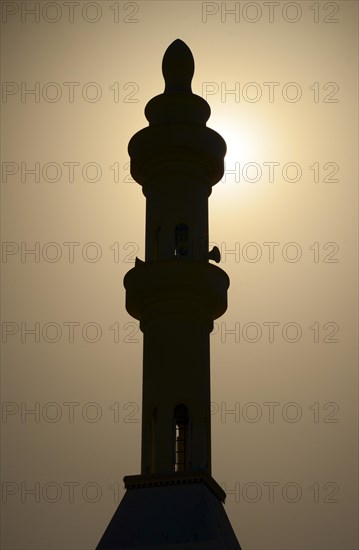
175,293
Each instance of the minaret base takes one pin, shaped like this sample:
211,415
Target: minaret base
170,517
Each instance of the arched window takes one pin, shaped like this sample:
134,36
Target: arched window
181,438
181,240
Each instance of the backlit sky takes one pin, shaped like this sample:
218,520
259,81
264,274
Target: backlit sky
281,80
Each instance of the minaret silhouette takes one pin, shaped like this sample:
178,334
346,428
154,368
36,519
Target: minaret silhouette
175,294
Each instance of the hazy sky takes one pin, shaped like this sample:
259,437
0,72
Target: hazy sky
281,80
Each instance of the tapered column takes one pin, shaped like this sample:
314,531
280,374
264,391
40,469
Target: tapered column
176,372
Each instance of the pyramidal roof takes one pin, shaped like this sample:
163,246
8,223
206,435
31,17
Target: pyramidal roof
175,517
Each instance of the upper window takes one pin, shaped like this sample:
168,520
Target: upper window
181,240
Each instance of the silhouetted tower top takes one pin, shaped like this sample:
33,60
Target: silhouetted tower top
178,67
177,160
181,105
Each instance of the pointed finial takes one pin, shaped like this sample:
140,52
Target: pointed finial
178,67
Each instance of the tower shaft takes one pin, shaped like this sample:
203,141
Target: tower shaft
176,393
